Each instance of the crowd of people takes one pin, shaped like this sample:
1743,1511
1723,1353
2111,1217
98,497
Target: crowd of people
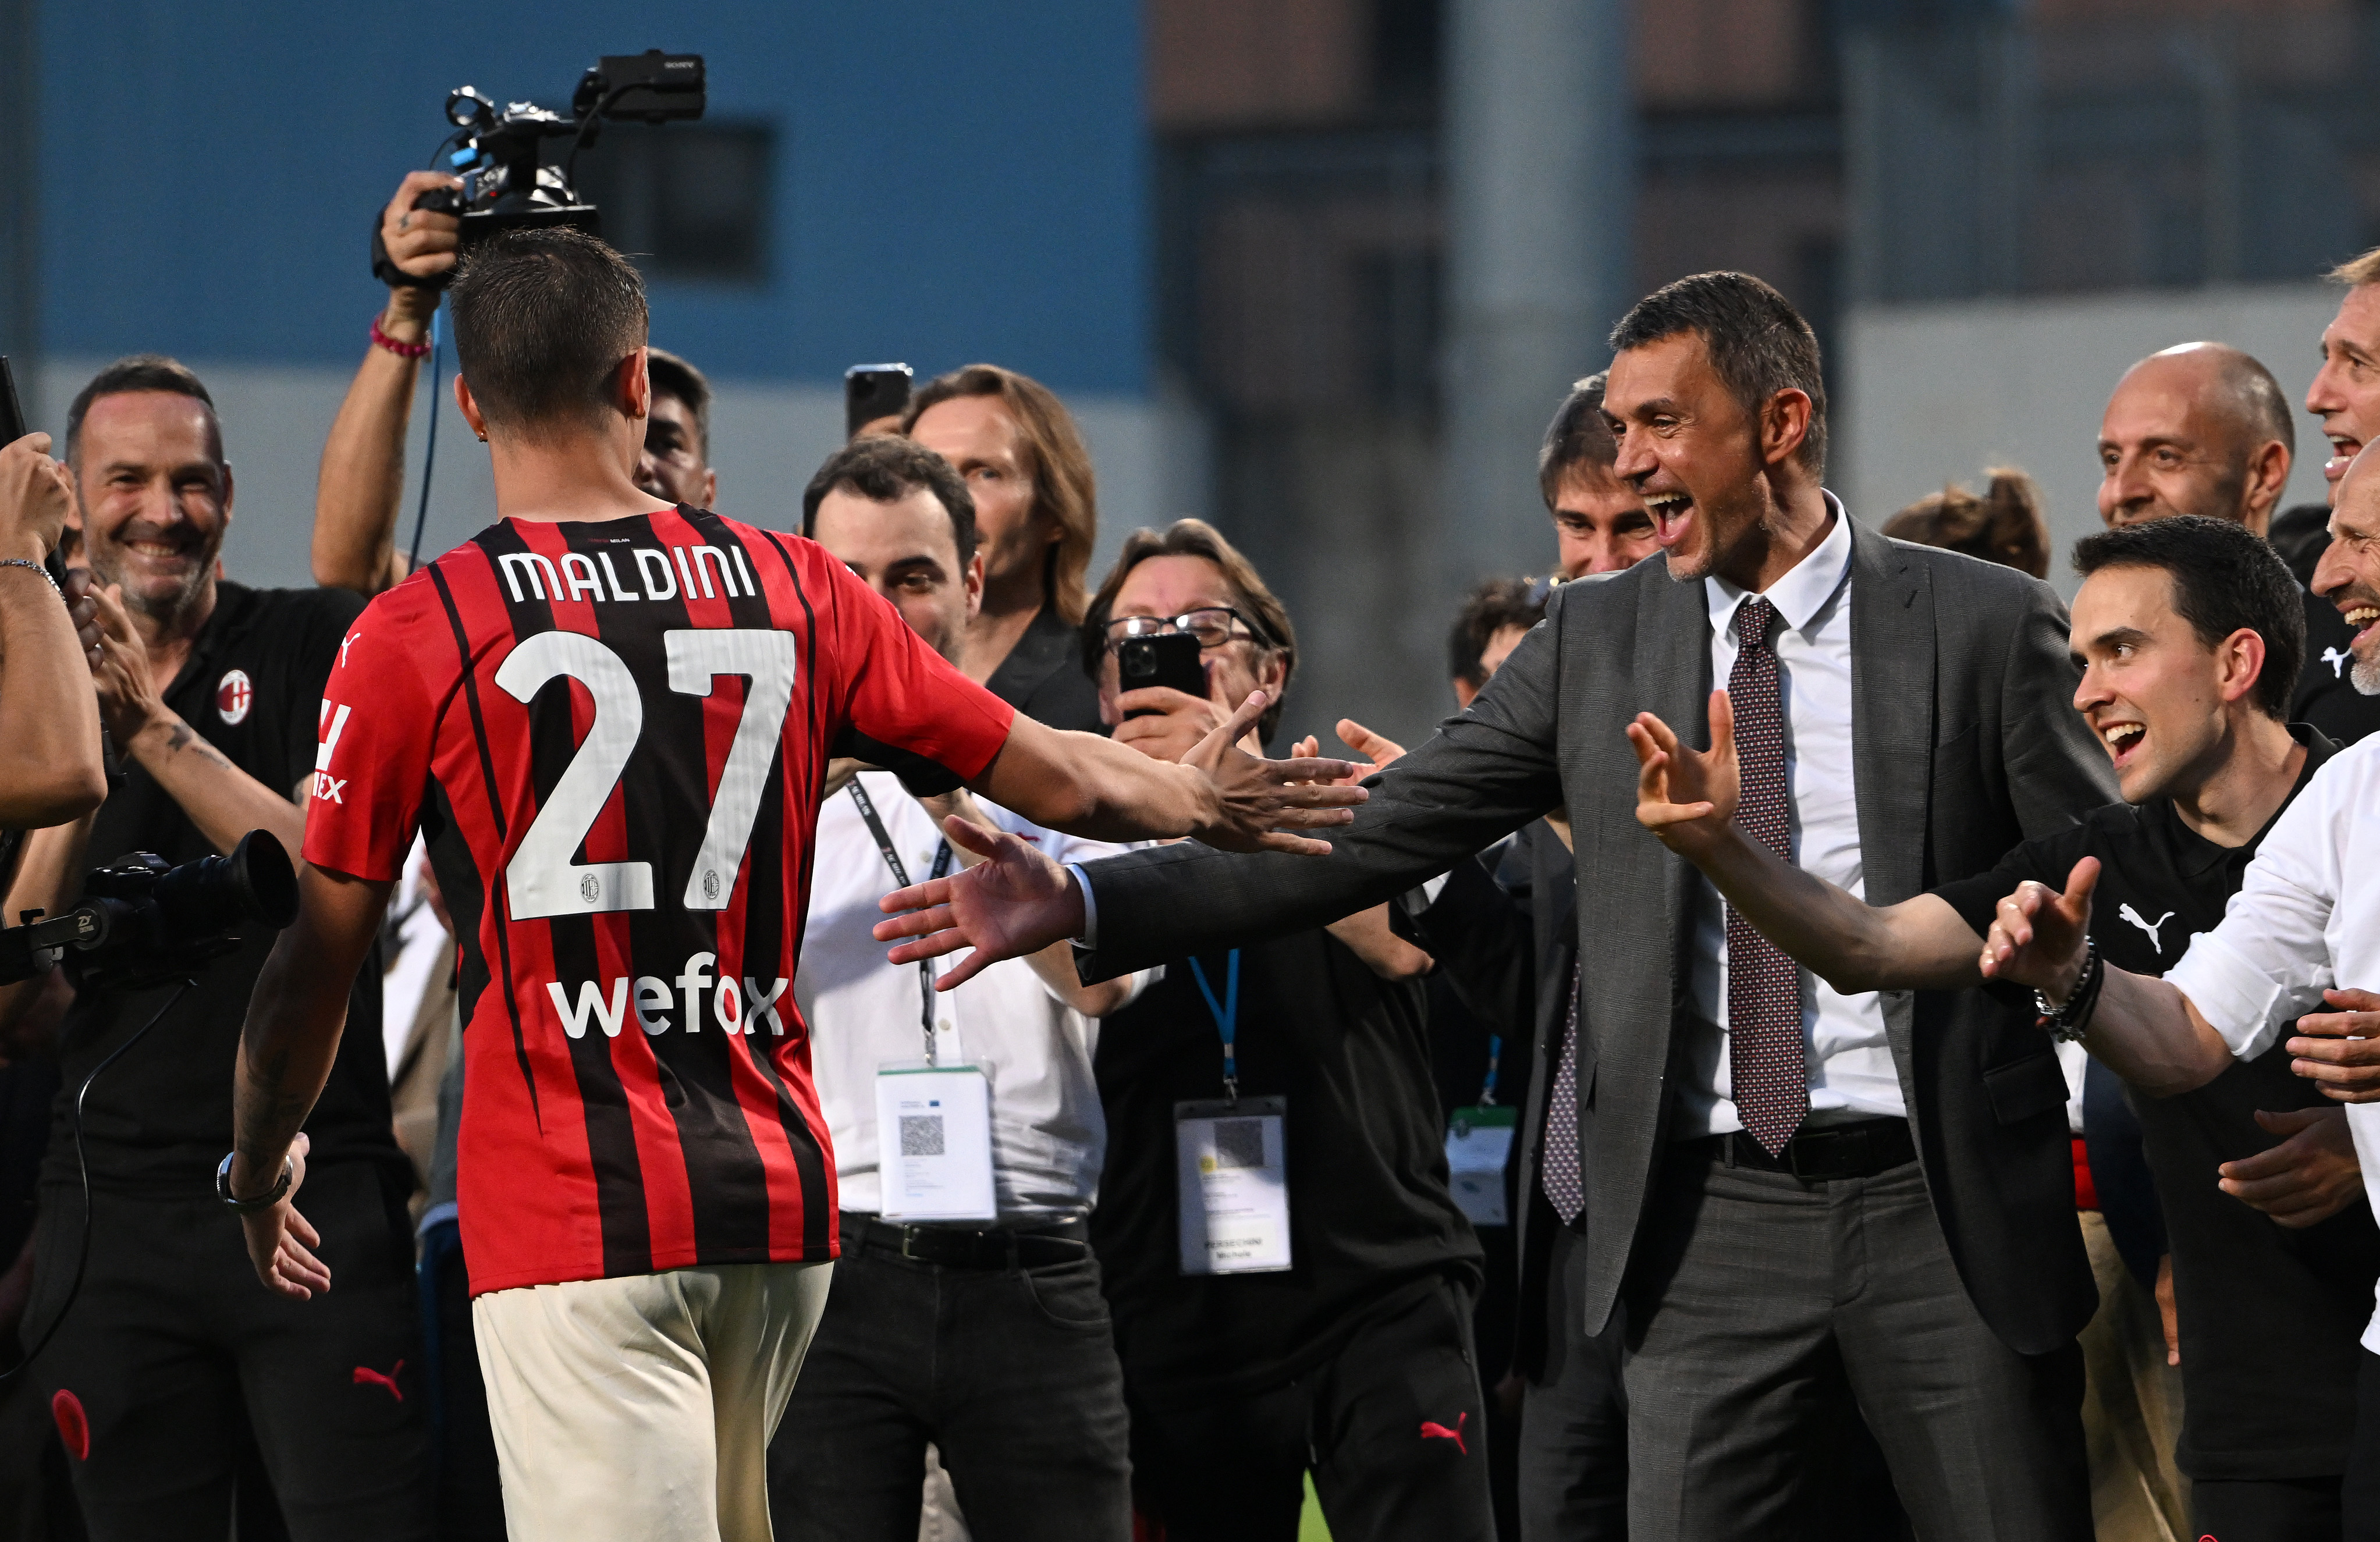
834,1022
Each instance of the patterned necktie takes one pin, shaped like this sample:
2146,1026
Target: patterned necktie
1769,1069
1558,1173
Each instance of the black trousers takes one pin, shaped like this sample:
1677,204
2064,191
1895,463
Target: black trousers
2265,1510
173,1357
1392,1427
1011,1373
2359,1491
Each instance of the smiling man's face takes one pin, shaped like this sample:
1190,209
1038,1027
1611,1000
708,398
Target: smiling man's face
2346,390
2151,689
1691,451
155,496
2349,574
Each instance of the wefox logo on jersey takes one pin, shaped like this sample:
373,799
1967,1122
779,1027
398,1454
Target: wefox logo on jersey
732,1008
654,574
331,723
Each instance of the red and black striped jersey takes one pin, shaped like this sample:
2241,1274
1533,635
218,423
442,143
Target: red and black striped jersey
614,736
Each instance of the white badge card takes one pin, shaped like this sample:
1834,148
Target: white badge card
1478,1142
933,1143
1232,1166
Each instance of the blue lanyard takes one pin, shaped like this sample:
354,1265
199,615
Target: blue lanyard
1495,1056
1227,1016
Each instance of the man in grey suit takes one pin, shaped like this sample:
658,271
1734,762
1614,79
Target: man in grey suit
1791,1196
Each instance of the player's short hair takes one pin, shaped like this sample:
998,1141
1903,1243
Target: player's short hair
1490,607
673,376
885,468
1577,436
1265,614
1758,344
142,371
1055,457
2356,272
2225,580
543,318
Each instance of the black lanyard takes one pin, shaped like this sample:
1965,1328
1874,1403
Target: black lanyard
900,877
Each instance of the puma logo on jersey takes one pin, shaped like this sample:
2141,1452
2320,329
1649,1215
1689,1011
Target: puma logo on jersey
1432,1430
2337,661
657,574
331,723
734,1007
2152,928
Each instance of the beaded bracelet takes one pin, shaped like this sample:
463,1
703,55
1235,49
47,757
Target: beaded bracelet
402,350
2067,1022
21,561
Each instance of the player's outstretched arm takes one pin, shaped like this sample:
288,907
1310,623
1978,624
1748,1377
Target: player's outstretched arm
1013,905
1688,798
2146,1031
1218,793
285,1050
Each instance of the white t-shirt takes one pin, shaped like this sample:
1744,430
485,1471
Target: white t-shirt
2306,919
1048,1136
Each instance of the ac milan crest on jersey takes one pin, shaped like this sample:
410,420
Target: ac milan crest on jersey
233,695
613,735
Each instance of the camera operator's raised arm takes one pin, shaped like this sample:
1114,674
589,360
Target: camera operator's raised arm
50,769
358,495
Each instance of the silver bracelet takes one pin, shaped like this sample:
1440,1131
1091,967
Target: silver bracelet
259,1202
44,571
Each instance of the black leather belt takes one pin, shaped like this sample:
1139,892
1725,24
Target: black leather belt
969,1247
1827,1151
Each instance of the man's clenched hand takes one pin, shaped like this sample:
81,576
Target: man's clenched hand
2038,935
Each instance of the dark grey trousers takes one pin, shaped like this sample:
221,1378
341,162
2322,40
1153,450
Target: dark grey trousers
1758,1301
1573,1456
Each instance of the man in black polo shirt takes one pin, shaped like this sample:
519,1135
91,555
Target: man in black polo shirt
2190,633
168,1360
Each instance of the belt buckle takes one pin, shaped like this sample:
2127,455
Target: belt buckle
907,1234
1838,1143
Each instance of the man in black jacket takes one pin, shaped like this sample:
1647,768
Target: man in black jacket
1827,1193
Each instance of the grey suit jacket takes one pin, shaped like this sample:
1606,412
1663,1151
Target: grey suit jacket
1966,742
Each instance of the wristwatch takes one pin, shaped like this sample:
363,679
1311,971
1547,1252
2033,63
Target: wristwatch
261,1201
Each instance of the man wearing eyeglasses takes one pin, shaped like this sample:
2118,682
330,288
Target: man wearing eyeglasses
1340,1341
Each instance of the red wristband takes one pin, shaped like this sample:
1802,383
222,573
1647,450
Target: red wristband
402,350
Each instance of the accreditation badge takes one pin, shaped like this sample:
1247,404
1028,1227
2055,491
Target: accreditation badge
1478,1143
1231,1164
933,1143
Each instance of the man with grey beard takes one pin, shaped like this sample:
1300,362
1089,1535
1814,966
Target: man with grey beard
170,1360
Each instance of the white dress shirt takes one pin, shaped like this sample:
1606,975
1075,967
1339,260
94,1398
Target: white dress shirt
1851,1069
1049,1138
2306,919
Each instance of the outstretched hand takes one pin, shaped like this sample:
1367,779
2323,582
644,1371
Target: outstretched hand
2037,935
1261,803
1684,796
1378,749
1012,904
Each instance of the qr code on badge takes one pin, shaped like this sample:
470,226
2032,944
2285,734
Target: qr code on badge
921,1135
1239,1143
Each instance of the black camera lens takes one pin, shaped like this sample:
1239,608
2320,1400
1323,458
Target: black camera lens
254,884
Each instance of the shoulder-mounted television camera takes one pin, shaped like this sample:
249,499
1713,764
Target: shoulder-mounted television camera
508,180
141,923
